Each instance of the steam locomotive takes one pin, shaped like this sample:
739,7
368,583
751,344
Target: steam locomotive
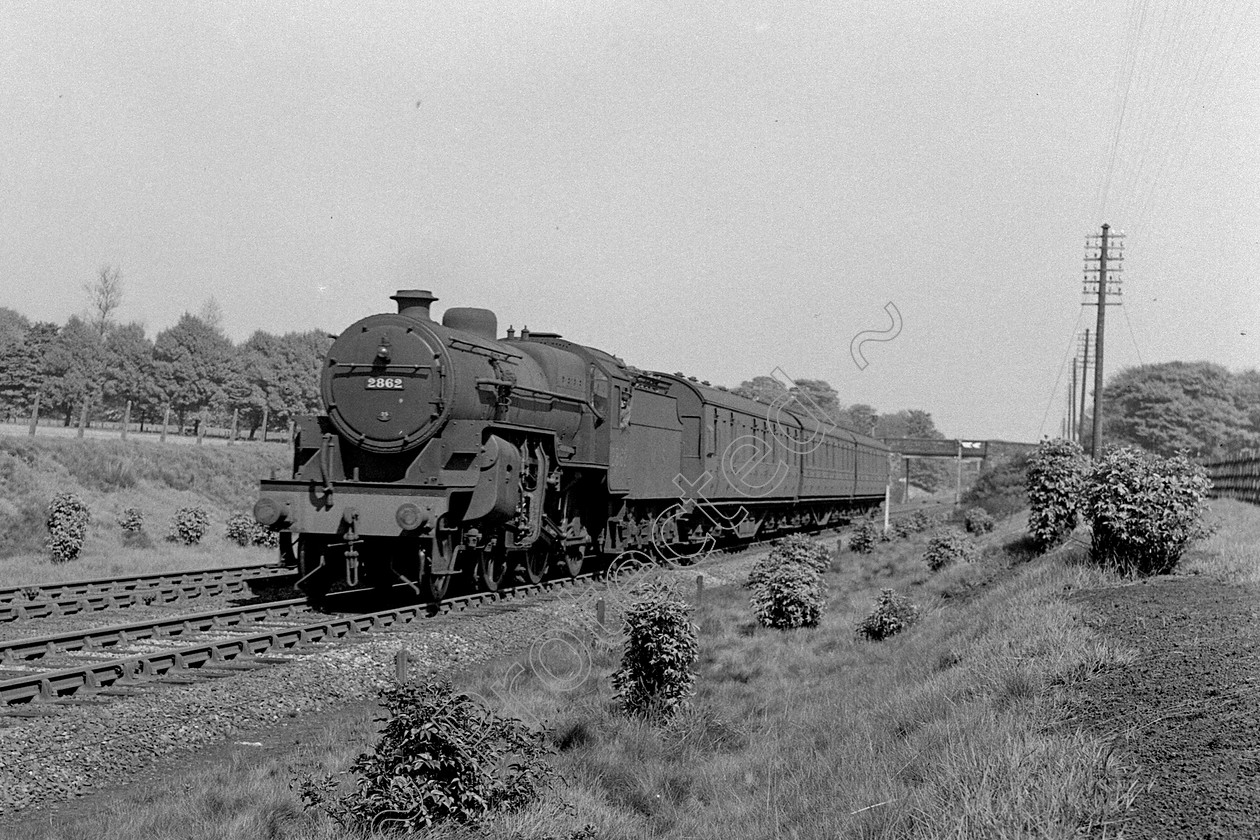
447,451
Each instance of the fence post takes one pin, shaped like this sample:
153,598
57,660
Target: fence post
83,418
126,419
201,427
236,412
166,419
600,613
699,590
266,414
35,414
400,665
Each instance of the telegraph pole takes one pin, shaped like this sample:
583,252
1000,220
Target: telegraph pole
1105,241
1080,427
1071,413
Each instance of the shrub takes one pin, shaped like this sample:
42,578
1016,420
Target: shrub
67,520
790,596
799,548
901,528
947,549
655,676
978,521
794,550
131,520
1056,480
244,529
893,613
440,757
1144,510
188,525
1002,488
921,520
864,537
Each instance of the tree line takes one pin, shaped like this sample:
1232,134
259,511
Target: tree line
818,395
93,364
1199,408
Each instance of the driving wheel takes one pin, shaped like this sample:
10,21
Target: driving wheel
533,566
489,569
444,549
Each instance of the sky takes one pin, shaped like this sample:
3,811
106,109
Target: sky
723,189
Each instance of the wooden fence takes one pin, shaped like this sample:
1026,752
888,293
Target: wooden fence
1236,478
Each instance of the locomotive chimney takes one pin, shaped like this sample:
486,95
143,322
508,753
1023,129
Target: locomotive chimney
414,303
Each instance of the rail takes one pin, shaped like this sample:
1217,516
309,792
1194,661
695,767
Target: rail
52,600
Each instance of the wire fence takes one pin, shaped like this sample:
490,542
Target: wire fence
204,433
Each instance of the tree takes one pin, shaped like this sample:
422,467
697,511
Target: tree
251,382
817,395
1178,406
298,368
211,314
764,389
13,326
74,368
1245,390
191,363
23,376
859,418
129,375
105,294
908,423
13,329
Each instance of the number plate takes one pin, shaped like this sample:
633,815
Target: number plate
384,383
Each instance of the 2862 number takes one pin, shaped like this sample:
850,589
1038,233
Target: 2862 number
384,383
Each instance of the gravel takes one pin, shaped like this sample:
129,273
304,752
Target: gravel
66,748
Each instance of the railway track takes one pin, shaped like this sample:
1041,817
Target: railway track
58,599
280,626
113,662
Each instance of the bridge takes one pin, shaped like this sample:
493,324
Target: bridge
955,449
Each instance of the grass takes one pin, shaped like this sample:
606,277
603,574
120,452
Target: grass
1230,553
952,729
111,476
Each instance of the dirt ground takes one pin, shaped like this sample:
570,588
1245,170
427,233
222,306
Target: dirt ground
1186,714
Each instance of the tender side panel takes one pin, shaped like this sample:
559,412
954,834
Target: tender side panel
649,452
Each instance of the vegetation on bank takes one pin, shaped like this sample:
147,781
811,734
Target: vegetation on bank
950,728
128,489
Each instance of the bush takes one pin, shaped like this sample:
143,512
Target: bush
921,520
67,520
901,528
799,548
864,536
791,595
188,525
794,550
1002,488
441,756
947,549
978,521
893,613
131,520
1144,510
655,676
1056,480
244,529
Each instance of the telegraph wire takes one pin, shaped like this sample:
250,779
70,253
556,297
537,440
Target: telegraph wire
1071,352
1132,337
1208,95
1123,106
